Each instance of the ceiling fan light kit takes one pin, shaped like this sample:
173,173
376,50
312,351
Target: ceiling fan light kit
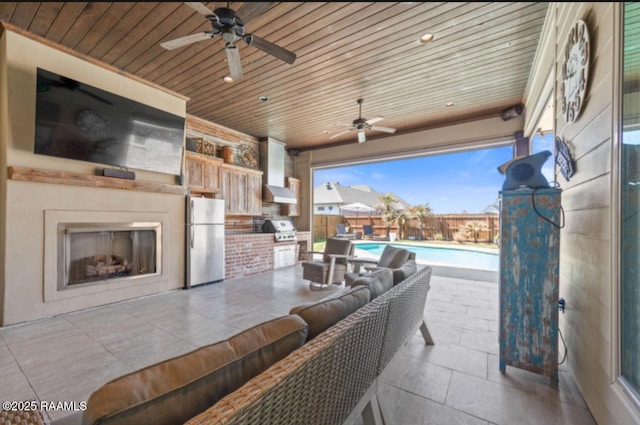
230,27
361,124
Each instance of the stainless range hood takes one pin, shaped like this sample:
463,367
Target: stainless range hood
272,164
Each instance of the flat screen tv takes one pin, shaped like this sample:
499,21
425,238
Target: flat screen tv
77,121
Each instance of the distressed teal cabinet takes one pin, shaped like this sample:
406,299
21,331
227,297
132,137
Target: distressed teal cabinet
529,262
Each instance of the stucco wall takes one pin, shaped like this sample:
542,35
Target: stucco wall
588,264
25,204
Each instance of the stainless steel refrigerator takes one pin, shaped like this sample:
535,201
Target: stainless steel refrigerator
204,241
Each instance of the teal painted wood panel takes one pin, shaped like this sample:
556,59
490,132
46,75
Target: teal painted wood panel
529,266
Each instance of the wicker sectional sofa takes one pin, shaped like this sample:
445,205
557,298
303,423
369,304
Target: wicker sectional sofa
320,365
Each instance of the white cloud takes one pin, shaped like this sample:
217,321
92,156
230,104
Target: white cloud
378,176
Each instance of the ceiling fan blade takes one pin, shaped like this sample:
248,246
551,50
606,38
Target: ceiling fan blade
373,120
384,129
341,133
361,137
270,48
199,7
233,60
187,39
251,10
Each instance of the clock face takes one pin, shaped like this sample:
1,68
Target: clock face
575,71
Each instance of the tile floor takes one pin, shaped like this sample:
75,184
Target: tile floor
454,382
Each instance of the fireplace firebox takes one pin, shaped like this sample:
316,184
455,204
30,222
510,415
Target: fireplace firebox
105,252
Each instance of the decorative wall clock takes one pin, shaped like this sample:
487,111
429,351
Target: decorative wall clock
248,156
575,71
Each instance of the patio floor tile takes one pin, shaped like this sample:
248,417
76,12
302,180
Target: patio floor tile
456,381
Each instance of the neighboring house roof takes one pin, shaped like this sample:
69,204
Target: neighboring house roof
493,208
335,193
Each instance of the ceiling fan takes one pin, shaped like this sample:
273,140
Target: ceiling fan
362,124
229,25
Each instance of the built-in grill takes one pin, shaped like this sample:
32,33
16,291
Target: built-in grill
283,230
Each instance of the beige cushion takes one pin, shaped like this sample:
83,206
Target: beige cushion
393,257
378,282
325,313
175,390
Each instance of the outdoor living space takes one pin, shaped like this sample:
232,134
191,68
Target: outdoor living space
457,380
115,116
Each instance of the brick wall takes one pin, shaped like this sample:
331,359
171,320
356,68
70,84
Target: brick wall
248,254
304,245
252,253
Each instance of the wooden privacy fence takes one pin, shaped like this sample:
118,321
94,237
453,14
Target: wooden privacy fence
435,227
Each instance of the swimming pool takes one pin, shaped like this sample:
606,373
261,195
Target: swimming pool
464,258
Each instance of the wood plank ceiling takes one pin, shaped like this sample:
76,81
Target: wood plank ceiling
479,60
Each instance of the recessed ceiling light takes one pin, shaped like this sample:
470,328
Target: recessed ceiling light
263,98
426,38
449,104
227,79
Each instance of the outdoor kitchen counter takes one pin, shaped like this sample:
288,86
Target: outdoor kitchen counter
248,254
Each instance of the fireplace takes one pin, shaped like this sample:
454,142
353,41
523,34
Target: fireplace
107,252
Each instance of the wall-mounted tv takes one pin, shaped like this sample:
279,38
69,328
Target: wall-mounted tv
77,121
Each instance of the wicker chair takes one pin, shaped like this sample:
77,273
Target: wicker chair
333,265
22,417
402,263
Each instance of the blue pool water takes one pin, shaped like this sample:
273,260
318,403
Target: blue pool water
443,256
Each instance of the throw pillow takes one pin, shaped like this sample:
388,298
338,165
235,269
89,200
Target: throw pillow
378,282
327,312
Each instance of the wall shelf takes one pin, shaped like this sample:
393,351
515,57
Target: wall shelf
88,180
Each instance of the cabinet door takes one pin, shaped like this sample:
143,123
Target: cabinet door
240,192
202,174
292,210
211,179
254,194
195,174
226,189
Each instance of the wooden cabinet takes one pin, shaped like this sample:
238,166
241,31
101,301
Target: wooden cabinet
530,222
202,174
292,210
254,193
241,188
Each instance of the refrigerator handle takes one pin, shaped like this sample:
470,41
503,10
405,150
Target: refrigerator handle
193,230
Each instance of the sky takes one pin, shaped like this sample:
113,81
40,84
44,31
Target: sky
450,183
